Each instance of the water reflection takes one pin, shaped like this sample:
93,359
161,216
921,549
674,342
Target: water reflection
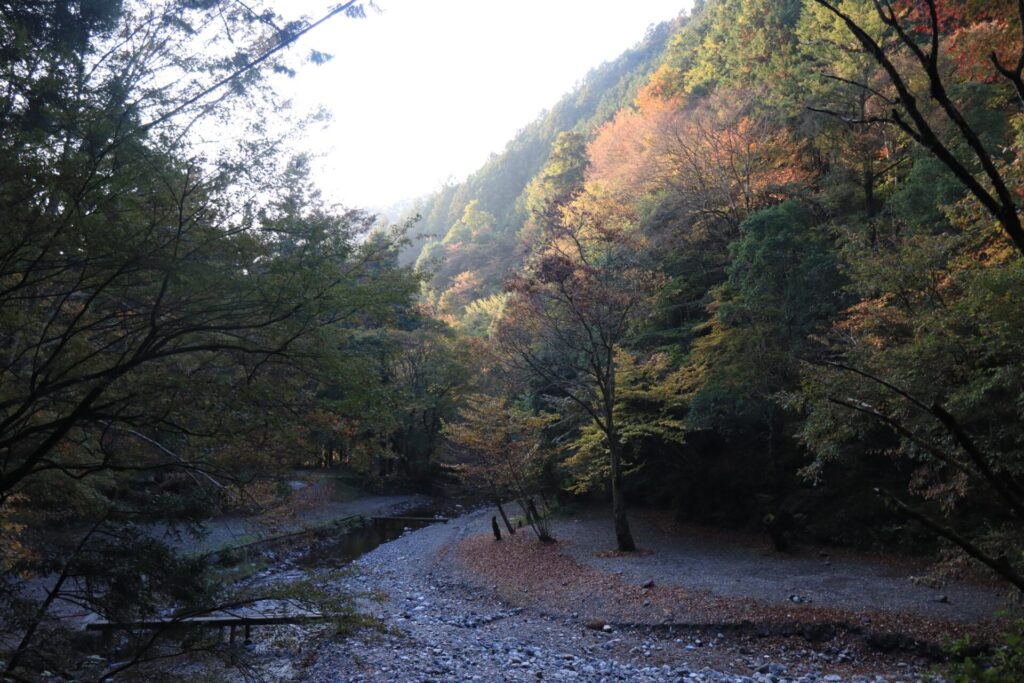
345,548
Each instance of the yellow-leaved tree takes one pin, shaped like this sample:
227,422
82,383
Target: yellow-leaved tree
500,446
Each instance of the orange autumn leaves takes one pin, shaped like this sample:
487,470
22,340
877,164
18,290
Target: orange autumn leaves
723,162
972,31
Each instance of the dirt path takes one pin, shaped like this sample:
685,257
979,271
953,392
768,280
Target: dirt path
746,568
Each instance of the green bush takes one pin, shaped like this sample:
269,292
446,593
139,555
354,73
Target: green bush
1004,664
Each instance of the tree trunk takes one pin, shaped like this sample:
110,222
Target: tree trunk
495,529
526,513
532,507
623,537
541,524
504,517
868,170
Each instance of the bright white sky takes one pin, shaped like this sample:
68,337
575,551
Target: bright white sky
428,89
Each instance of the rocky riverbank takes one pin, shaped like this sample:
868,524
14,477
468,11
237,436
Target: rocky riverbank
448,603
457,613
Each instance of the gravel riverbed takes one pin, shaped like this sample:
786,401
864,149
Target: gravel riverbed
445,622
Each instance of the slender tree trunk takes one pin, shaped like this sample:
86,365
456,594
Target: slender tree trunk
504,517
543,531
868,179
623,537
868,170
526,513
775,451
532,507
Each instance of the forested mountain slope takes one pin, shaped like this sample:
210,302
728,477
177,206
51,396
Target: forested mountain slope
465,225
779,286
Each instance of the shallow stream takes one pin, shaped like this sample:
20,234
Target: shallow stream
344,548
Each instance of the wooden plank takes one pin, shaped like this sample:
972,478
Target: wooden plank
216,621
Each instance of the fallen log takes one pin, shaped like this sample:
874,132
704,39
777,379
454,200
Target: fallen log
230,621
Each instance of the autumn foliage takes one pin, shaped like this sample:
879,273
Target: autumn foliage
784,274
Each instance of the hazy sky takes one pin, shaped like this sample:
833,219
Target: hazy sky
428,89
